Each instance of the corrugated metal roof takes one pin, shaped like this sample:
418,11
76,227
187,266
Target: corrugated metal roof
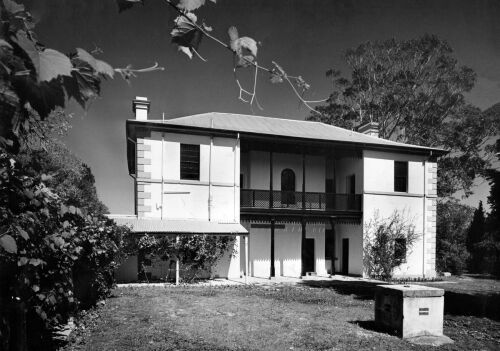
147,225
281,127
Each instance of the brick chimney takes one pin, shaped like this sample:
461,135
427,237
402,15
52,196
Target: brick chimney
370,128
140,106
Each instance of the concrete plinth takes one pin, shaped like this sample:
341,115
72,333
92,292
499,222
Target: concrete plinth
411,310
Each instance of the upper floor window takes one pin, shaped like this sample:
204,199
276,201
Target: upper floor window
401,176
190,162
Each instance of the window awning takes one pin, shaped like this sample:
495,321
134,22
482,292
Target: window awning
146,225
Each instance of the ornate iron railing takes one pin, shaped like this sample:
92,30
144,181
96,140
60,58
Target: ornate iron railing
253,198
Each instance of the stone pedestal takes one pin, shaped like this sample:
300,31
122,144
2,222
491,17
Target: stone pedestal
411,310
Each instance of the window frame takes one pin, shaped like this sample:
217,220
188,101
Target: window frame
399,177
184,172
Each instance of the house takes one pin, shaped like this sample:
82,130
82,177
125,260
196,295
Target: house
296,194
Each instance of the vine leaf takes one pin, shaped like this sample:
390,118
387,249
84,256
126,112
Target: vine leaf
48,63
8,243
127,4
99,66
245,48
186,35
53,64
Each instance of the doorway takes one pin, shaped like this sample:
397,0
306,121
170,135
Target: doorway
345,256
308,255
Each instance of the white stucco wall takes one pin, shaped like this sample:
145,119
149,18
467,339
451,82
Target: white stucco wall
167,196
379,196
287,249
379,171
287,244
353,232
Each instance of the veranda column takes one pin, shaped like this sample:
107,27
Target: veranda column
303,222
271,205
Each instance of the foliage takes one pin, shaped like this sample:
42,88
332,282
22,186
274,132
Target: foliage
475,235
489,247
453,220
387,242
46,245
36,80
196,253
187,34
415,90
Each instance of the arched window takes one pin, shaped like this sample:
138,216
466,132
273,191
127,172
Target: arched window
287,187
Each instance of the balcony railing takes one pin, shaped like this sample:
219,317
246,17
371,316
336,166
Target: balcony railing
252,198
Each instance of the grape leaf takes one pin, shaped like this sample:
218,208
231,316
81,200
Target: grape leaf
186,35
127,4
98,66
8,243
245,48
53,64
48,63
104,68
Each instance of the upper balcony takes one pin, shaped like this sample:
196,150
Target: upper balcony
254,200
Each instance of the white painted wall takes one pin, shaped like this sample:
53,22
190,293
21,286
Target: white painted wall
353,232
380,196
259,252
316,231
379,171
189,199
287,255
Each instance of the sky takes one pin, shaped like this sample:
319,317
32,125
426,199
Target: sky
306,37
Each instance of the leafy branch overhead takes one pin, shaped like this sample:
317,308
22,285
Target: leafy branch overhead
187,34
38,79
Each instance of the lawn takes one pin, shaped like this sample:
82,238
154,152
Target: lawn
337,316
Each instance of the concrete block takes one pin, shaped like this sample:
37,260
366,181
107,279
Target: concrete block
412,310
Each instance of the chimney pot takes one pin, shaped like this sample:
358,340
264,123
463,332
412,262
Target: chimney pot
140,106
370,128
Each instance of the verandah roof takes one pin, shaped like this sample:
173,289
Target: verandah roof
146,225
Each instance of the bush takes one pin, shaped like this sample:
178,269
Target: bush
196,253
44,245
387,242
453,220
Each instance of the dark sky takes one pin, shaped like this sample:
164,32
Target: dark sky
306,37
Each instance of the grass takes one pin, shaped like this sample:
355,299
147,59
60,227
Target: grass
255,318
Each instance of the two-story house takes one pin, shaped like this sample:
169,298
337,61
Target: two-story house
296,194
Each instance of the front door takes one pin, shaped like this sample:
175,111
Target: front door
308,255
345,256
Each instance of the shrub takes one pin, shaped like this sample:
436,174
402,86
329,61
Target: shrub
44,245
196,253
387,242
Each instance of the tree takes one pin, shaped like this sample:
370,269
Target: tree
453,220
476,234
415,90
387,242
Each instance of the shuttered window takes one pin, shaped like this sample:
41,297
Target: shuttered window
401,176
190,162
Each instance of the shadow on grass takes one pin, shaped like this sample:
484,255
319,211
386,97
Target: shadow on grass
361,290
478,305
455,303
372,326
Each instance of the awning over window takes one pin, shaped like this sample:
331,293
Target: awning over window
145,225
